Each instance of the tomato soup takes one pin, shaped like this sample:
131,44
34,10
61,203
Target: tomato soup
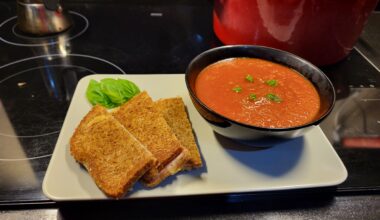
258,92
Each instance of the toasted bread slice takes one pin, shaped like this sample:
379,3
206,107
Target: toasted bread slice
174,112
113,157
140,116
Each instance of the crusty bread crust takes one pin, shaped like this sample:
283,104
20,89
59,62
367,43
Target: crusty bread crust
140,116
113,157
174,112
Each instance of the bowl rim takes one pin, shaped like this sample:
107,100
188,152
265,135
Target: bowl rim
226,47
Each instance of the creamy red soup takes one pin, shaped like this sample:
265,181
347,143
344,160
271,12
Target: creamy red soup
258,92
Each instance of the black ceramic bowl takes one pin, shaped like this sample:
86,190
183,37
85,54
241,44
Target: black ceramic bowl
239,131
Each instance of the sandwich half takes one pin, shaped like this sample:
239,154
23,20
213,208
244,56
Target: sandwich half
174,112
141,117
113,157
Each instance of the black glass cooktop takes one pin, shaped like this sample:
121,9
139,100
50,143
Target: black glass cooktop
38,76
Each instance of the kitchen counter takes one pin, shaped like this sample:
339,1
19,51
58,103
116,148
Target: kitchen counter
169,52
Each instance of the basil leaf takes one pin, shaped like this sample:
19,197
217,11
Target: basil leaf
112,89
129,89
95,95
111,93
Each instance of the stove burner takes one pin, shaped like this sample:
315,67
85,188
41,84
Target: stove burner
35,94
10,34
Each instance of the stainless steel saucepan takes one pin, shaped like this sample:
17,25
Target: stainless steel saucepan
42,17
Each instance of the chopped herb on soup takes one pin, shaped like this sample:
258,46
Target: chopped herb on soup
272,82
252,97
273,97
249,78
237,89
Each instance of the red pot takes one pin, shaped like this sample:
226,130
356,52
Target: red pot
321,31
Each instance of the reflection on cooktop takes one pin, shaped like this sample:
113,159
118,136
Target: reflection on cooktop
358,119
10,34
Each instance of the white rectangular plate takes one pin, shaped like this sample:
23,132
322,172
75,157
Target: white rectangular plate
305,162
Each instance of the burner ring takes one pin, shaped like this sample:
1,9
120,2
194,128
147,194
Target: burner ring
26,158
58,55
30,148
22,40
35,94
42,86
